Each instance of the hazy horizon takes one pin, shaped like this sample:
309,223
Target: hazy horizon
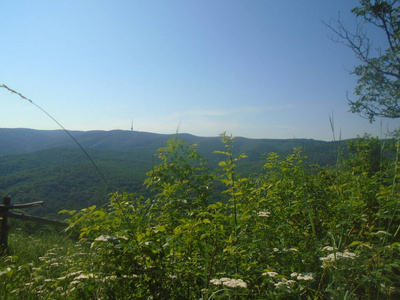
336,138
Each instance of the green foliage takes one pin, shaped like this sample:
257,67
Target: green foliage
284,232
182,182
367,154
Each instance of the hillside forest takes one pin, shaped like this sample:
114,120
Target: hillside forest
38,165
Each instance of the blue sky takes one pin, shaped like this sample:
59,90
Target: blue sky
258,69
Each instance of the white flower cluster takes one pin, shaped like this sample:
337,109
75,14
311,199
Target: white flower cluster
228,282
327,248
81,277
70,275
294,275
285,250
332,257
285,285
264,214
339,255
114,277
107,238
270,274
290,250
302,276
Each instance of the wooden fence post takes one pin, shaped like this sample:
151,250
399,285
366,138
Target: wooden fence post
5,206
4,227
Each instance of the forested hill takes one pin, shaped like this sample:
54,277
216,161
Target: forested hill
19,141
48,165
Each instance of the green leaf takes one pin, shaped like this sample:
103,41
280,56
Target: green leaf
354,243
222,164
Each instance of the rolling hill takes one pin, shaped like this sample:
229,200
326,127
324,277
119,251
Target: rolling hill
39,165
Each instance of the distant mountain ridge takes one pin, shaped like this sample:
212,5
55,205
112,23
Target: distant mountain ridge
21,140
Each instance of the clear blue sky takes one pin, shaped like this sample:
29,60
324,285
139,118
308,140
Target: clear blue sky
258,69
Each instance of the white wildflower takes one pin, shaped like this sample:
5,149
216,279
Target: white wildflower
106,238
290,250
264,214
215,281
130,276
305,276
270,274
275,249
233,283
391,290
285,285
339,255
84,276
228,282
294,275
109,278
327,248
326,261
350,255
74,273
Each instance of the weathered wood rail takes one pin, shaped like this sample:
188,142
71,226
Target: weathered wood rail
5,213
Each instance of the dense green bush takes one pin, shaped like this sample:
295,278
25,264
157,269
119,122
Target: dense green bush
284,232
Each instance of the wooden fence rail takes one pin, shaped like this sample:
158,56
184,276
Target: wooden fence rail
5,213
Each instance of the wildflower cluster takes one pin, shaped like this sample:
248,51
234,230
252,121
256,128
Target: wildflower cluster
331,258
229,282
264,214
285,285
303,276
270,274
